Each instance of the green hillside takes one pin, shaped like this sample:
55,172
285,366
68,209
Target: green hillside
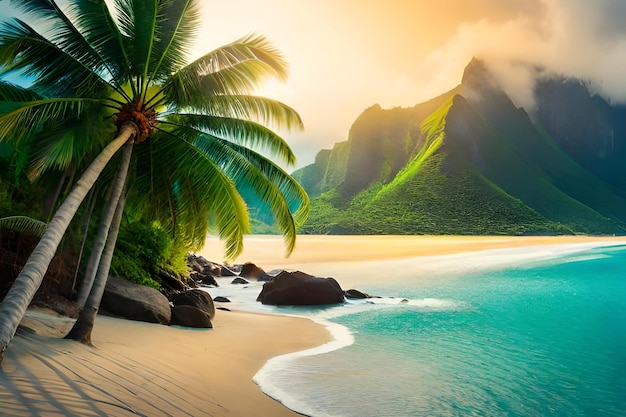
455,165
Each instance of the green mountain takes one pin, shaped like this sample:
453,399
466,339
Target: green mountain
471,162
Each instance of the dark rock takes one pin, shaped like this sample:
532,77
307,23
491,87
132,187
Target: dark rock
169,283
352,293
203,279
202,265
135,302
189,316
59,304
251,271
202,270
227,272
196,298
239,280
223,308
220,299
299,288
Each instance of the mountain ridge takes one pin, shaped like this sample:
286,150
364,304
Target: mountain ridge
470,162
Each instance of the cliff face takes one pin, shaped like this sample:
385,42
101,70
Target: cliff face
471,162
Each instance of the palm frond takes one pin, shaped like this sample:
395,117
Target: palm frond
62,31
252,171
243,132
249,48
15,93
20,119
241,78
138,20
23,224
186,191
177,28
292,190
237,68
100,30
260,109
68,142
247,177
24,50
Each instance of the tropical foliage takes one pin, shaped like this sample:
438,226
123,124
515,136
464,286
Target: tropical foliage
198,132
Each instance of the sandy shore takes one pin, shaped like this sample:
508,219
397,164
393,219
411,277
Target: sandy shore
148,369
153,370
269,251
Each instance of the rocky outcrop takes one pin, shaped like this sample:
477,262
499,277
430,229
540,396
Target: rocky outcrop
170,284
203,271
195,298
299,288
251,271
135,302
189,316
356,294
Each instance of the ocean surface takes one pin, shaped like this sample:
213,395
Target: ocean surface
535,331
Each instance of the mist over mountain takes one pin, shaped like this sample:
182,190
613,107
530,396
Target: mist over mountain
473,162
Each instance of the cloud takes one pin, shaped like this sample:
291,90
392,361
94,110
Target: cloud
576,38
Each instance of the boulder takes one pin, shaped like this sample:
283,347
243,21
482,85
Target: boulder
356,294
239,280
189,316
220,299
299,288
251,271
202,270
196,298
227,272
135,302
169,283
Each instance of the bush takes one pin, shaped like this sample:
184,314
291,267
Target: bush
140,251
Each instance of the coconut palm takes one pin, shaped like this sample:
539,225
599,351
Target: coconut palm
197,118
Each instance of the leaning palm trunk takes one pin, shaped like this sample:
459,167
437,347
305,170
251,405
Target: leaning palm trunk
105,224
81,331
85,229
27,283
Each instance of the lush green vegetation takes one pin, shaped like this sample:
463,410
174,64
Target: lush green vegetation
118,117
477,168
140,251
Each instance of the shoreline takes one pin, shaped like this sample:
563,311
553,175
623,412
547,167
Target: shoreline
137,368
148,369
268,251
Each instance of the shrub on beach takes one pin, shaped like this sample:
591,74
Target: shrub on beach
142,249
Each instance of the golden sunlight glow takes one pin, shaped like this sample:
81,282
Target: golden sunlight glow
348,55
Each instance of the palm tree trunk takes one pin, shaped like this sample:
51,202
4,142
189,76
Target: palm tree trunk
81,331
27,283
85,230
105,224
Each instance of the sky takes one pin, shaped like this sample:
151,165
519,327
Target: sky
347,55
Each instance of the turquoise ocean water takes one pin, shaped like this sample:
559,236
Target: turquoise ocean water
520,332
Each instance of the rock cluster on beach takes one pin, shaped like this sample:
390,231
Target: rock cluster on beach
183,304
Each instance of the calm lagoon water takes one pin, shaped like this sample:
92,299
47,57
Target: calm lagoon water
537,331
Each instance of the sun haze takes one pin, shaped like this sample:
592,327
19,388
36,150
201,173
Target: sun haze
346,56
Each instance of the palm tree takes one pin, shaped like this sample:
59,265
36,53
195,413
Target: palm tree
195,116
